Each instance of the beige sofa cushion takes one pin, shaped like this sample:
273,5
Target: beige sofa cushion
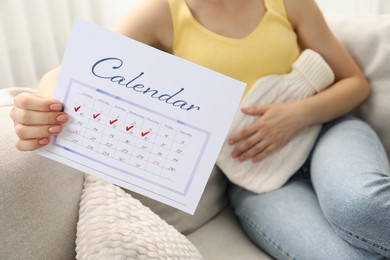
39,199
368,40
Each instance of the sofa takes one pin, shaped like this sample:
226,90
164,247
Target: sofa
40,198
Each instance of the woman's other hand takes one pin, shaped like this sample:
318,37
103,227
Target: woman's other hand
276,125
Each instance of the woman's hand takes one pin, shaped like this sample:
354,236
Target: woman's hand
276,125
35,119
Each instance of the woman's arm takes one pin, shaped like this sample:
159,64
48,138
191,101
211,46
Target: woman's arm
350,88
48,82
149,22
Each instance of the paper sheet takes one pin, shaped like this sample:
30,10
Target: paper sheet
141,118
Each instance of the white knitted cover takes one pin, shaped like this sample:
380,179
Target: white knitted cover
114,225
310,74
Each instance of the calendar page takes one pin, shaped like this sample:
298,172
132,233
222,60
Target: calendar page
141,118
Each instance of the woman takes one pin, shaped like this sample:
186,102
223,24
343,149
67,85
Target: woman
341,212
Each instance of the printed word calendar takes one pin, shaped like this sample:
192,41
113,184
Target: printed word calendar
141,118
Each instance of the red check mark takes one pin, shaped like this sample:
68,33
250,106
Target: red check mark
95,115
113,121
144,133
128,128
76,108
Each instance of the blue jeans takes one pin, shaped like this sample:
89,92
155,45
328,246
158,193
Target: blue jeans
337,206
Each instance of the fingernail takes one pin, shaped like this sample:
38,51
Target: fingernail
62,118
234,154
242,158
231,141
44,141
55,129
56,107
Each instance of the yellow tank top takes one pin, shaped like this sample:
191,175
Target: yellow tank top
270,48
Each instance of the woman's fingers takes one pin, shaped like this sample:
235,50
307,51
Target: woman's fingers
255,110
243,133
30,109
30,101
264,153
31,144
34,117
251,129
249,147
255,148
36,131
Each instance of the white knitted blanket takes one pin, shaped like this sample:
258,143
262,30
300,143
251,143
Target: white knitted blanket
114,225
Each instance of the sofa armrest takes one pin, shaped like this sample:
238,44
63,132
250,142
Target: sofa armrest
39,199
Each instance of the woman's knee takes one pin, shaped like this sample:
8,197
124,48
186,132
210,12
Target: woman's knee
352,207
349,136
349,154
359,213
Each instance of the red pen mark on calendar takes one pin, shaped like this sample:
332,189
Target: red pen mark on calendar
95,115
144,133
76,108
128,128
113,121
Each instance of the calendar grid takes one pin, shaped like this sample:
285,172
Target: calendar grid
134,147
124,135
